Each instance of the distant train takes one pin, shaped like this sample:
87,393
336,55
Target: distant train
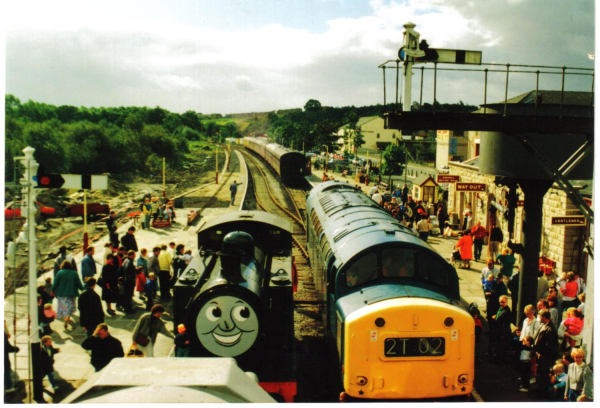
290,165
236,297
390,302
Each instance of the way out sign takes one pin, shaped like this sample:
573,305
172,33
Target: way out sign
470,187
570,221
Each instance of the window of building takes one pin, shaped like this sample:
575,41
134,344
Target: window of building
428,194
377,135
393,135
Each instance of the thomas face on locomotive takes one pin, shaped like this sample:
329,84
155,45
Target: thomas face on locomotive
227,326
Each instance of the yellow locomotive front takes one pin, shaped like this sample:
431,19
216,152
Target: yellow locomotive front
407,348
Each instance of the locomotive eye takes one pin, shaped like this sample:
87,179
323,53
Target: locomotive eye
449,322
379,322
241,313
213,313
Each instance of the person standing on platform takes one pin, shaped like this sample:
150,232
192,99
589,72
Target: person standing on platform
47,360
164,276
147,328
111,225
545,347
88,265
465,245
479,233
110,291
128,240
147,212
129,274
91,313
405,194
579,378
496,238
66,286
233,189
507,259
423,227
62,256
103,346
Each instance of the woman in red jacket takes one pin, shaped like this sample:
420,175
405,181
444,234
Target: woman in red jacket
569,292
465,244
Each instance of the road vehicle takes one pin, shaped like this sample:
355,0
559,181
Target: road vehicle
13,209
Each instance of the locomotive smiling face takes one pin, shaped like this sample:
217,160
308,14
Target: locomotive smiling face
227,326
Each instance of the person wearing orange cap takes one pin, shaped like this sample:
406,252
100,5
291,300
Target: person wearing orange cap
182,342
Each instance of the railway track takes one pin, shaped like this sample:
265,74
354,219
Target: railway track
272,196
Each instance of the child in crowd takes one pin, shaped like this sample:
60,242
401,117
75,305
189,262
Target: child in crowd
489,285
48,288
474,311
150,288
573,325
558,381
120,293
525,362
187,256
182,342
46,318
47,361
140,284
581,306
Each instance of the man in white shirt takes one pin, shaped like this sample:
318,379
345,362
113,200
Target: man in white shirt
490,269
377,197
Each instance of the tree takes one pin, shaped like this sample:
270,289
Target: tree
46,139
191,120
312,105
394,160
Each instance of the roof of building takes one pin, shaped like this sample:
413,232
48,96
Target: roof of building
551,98
422,179
362,121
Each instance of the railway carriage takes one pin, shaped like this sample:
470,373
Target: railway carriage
290,165
391,304
236,297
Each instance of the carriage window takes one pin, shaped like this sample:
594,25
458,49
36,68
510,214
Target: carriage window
363,270
398,262
432,270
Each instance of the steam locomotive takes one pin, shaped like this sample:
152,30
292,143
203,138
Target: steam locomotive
236,297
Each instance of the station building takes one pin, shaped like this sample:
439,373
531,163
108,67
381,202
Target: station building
562,245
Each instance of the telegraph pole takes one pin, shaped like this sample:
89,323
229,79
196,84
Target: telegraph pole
28,235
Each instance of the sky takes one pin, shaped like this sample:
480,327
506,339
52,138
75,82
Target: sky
235,56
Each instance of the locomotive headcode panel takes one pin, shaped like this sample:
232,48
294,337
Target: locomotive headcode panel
390,302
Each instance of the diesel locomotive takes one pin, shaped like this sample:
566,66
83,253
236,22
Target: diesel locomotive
236,297
390,302
290,165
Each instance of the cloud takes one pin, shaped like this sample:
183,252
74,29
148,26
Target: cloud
86,54
243,83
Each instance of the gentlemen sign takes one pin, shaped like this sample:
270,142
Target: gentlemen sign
447,178
572,221
470,187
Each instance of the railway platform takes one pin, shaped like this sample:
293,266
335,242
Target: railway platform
493,382
73,362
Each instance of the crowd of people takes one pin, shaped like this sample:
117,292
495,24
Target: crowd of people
546,346
127,276
409,212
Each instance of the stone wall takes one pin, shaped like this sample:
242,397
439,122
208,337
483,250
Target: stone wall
559,244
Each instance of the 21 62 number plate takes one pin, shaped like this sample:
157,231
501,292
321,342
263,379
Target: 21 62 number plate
415,347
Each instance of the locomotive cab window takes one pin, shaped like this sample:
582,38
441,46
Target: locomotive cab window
432,270
362,271
398,263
